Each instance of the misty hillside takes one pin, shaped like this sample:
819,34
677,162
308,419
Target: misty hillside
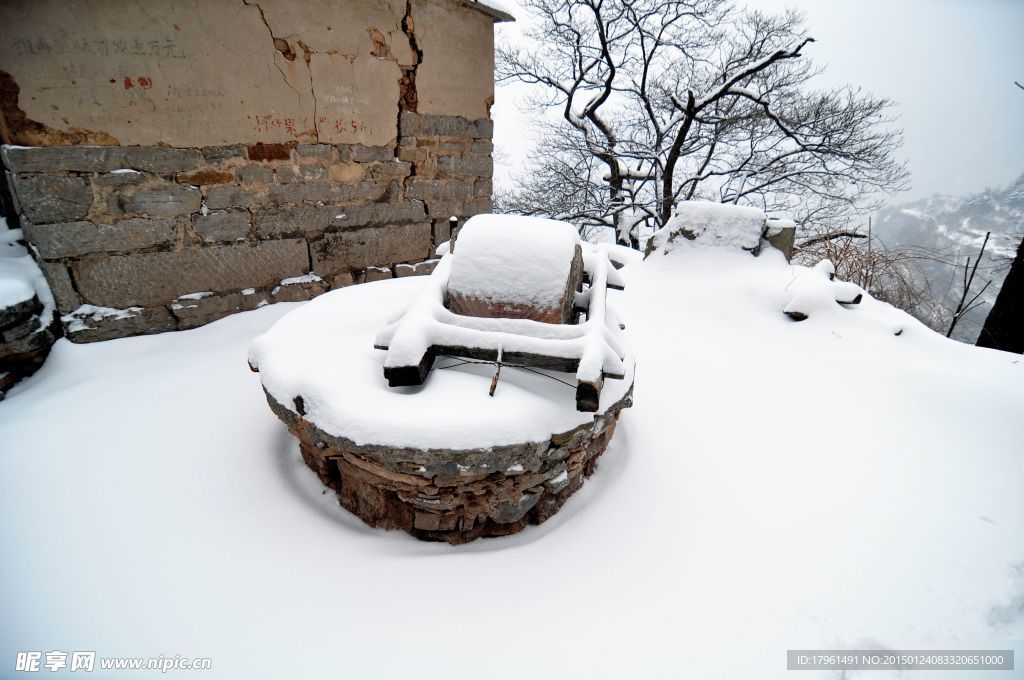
948,229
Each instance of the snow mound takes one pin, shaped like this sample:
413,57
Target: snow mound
816,290
14,288
20,276
712,224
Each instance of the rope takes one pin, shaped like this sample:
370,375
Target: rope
532,369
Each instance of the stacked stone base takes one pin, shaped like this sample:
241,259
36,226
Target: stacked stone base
26,336
454,496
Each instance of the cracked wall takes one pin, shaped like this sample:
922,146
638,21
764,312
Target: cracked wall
192,74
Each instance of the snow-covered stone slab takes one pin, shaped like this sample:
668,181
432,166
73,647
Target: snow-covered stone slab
28,325
708,224
513,267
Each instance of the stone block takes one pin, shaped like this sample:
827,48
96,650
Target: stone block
483,188
484,129
121,178
62,158
83,326
160,159
18,313
192,313
298,291
25,353
443,210
64,293
14,338
73,239
376,274
466,166
255,174
270,152
446,126
377,214
417,269
156,159
427,189
341,280
357,249
477,206
232,225
392,169
297,220
46,198
782,239
169,200
442,230
365,154
219,154
13,194
406,153
205,177
157,278
449,148
220,198
288,174
365,192
324,151
409,124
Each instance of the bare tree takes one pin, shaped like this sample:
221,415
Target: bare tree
890,274
965,305
667,100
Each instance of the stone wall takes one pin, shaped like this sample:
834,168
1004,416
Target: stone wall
168,172
454,495
138,240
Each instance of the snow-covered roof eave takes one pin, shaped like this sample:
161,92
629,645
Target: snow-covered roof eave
496,9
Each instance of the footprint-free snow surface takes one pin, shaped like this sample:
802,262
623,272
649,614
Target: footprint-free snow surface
849,481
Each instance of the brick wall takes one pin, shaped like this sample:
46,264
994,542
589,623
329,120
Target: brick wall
144,239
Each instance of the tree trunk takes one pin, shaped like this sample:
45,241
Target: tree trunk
1004,326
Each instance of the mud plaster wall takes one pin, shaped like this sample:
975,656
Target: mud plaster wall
205,73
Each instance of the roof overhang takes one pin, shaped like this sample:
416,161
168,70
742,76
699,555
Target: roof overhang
495,9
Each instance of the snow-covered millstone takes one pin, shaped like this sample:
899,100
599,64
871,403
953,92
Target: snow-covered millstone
508,293
443,461
512,267
449,458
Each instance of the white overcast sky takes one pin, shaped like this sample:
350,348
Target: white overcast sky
949,64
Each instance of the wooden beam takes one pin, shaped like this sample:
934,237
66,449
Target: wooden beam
408,376
588,395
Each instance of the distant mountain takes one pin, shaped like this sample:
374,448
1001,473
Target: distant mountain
947,230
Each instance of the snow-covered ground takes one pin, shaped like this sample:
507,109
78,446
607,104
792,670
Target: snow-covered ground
777,485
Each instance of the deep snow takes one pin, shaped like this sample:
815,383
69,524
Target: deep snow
821,484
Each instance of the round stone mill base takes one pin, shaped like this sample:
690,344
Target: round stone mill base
455,496
443,461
